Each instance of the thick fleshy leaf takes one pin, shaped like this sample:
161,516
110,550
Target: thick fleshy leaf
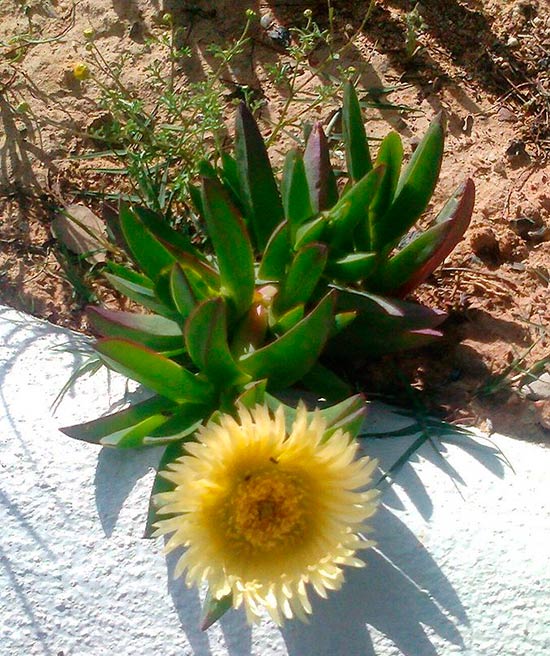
321,180
352,268
125,428
213,609
181,291
231,244
348,416
155,371
277,254
325,383
304,273
264,210
289,319
358,157
389,156
142,294
314,230
372,306
414,263
147,251
253,395
185,420
151,330
288,358
203,271
171,453
206,341
381,326
295,192
159,227
351,209
230,178
414,189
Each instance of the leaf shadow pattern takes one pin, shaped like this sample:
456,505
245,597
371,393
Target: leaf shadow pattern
237,634
116,474
401,591
115,477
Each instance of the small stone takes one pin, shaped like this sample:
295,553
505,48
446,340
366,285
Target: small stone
266,21
538,389
82,232
542,413
505,115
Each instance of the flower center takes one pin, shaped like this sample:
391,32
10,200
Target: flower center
267,509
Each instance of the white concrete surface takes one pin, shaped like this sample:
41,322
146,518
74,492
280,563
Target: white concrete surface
456,572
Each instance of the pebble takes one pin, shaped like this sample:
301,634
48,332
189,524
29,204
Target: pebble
538,389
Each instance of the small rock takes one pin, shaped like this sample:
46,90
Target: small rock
542,413
82,232
538,389
505,115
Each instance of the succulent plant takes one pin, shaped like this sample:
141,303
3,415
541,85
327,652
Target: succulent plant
295,271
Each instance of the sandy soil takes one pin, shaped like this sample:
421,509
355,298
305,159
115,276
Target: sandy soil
486,63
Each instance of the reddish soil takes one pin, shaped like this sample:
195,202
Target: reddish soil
486,63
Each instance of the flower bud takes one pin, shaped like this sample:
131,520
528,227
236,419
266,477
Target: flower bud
81,71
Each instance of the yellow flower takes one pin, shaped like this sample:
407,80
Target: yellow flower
81,71
263,513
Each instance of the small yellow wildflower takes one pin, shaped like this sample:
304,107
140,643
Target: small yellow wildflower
81,71
263,513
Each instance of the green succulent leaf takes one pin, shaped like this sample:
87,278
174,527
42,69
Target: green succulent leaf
389,156
304,273
264,210
213,609
342,320
151,330
288,358
146,250
295,192
358,157
348,416
414,189
181,291
253,395
184,421
126,428
325,383
206,341
277,254
382,325
131,276
196,200
321,180
352,209
231,244
143,292
155,371
230,178
160,228
289,319
352,268
313,230
414,263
